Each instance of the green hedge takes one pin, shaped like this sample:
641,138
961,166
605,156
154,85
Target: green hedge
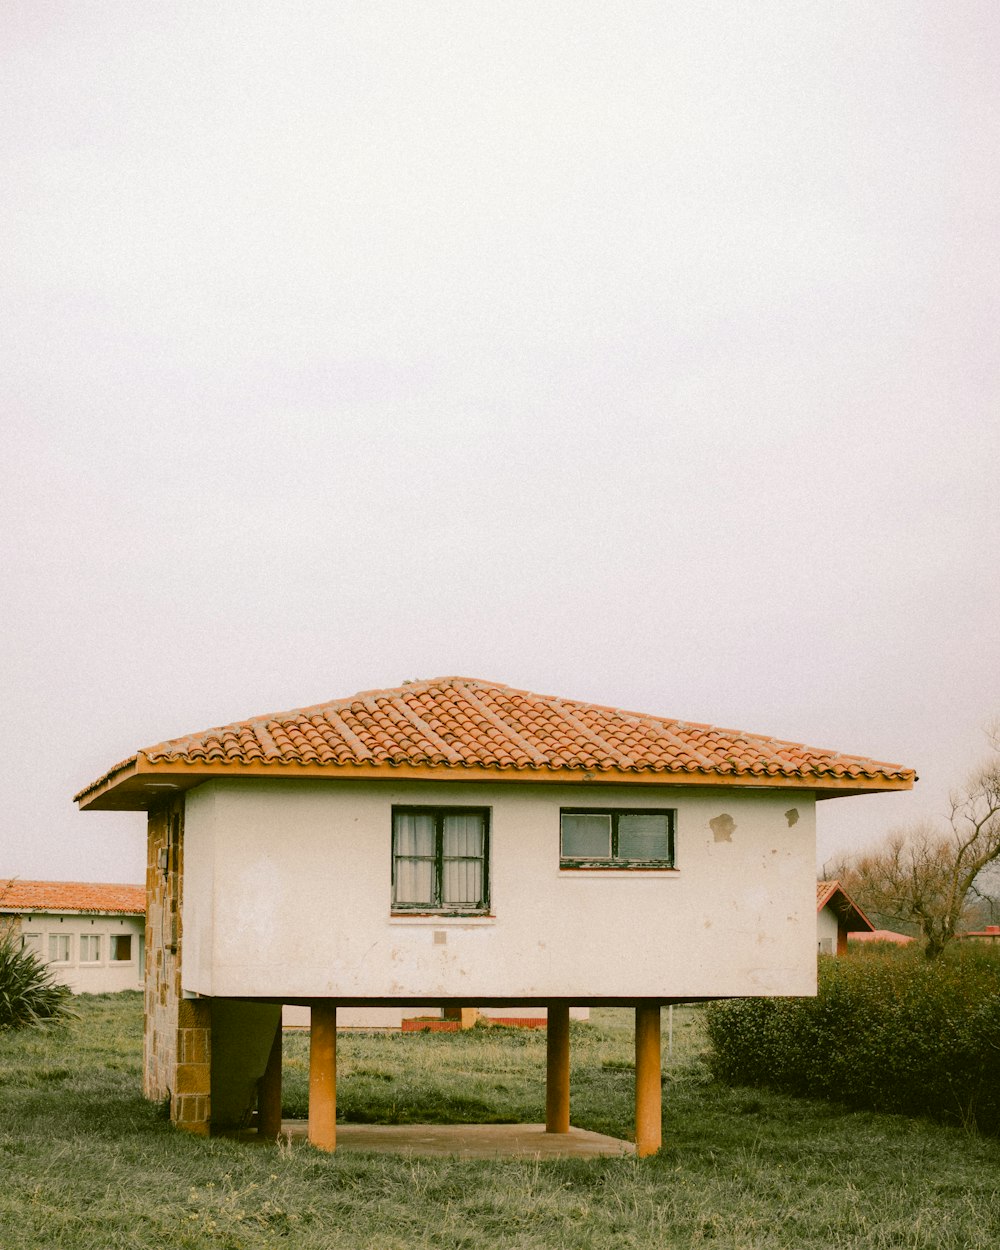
888,1032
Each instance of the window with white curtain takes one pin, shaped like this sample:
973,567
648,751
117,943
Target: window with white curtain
440,859
614,838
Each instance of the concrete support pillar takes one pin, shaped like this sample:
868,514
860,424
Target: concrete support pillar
269,1091
648,1089
323,1076
557,1071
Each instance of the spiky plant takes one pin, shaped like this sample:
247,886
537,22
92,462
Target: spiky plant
28,992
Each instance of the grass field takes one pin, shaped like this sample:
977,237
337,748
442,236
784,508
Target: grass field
87,1164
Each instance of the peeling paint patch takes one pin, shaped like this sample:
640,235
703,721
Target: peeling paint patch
792,816
722,827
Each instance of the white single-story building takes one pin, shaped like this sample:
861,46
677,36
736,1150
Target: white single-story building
92,935
458,842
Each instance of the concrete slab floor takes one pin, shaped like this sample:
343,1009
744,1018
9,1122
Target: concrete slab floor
466,1141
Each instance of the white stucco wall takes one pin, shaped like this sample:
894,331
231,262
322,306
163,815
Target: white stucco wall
826,931
84,976
287,894
518,1011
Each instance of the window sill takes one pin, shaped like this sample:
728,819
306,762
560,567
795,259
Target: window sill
442,918
617,870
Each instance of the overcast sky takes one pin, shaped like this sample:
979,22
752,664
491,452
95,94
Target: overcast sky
640,353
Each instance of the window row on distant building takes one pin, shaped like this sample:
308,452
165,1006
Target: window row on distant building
82,948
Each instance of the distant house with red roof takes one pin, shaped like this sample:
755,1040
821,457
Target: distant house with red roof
92,935
990,934
881,935
837,915
455,842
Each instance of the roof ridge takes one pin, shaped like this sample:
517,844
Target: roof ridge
532,751
622,757
270,747
343,727
683,743
418,722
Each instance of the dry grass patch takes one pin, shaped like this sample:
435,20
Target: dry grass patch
86,1163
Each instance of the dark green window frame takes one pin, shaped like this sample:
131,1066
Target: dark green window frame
615,859
438,903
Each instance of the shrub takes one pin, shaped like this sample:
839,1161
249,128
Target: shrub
28,993
890,1032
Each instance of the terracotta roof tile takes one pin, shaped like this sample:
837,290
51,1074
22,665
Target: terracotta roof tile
458,722
17,895
823,891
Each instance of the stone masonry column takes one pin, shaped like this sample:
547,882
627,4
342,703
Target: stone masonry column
191,1104
323,1076
557,1071
648,1089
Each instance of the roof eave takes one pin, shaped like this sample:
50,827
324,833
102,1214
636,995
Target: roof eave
138,784
9,909
114,777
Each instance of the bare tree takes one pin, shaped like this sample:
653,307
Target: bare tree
926,876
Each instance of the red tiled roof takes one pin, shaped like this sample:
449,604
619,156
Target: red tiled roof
832,893
16,895
880,935
458,723
823,891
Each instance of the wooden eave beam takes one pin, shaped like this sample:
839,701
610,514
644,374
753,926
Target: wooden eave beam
143,784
